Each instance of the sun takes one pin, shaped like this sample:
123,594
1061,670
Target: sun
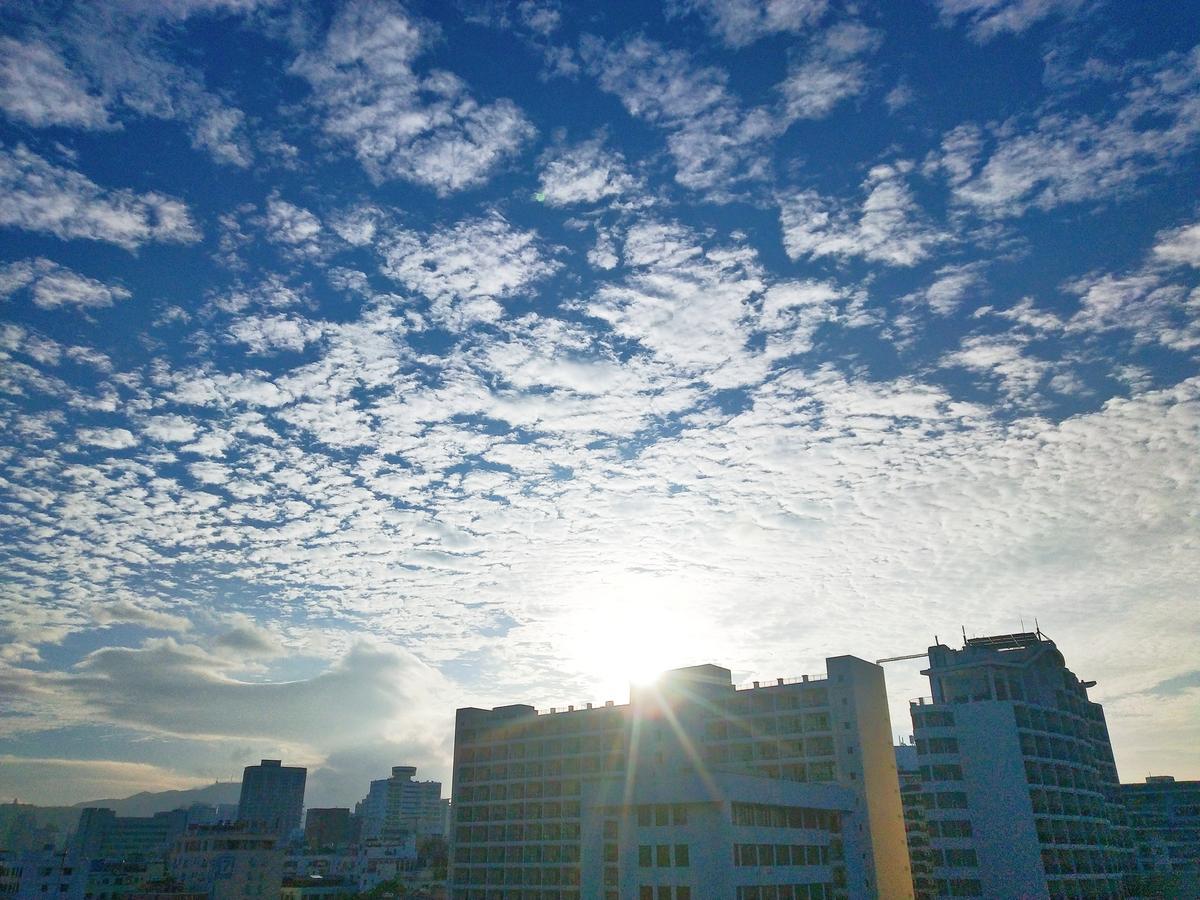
627,630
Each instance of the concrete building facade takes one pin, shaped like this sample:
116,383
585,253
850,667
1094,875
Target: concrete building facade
272,796
102,834
228,862
1164,818
1018,780
402,804
799,774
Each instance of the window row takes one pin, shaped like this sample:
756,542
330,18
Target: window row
943,800
522,790
502,812
663,892
1066,803
948,828
926,746
1055,722
762,701
1066,831
927,717
785,892
526,894
1058,861
1067,749
772,816
661,814
748,752
1085,889
551,875
527,853
528,831
955,857
780,855
601,739
661,855
737,729
942,772
1058,775
958,887
576,765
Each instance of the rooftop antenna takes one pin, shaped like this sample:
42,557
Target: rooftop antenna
1037,626
964,630
1022,624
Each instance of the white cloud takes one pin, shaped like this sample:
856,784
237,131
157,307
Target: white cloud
1003,356
425,129
988,19
742,22
688,305
37,88
1066,157
715,144
1141,302
468,268
951,285
265,334
293,227
1179,246
586,172
108,438
37,195
889,228
51,285
829,71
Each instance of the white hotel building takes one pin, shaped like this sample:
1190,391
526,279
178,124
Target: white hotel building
695,790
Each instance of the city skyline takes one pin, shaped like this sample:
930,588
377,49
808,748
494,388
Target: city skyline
361,361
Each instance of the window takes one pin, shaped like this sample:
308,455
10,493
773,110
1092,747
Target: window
679,814
645,892
644,856
661,811
681,856
662,854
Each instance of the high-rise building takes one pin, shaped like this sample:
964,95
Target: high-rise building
1018,780
272,796
326,829
1164,816
402,804
695,789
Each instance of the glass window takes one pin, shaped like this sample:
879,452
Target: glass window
662,854
645,856
682,859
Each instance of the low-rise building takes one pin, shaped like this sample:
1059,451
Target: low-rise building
228,862
102,834
1164,816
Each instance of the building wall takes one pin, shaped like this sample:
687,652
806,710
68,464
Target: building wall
273,796
865,754
228,863
1164,815
1017,775
519,777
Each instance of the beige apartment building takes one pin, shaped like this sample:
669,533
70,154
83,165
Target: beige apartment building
695,790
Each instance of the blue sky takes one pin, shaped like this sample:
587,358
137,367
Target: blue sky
365,360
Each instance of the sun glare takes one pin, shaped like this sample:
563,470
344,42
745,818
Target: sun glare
629,629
